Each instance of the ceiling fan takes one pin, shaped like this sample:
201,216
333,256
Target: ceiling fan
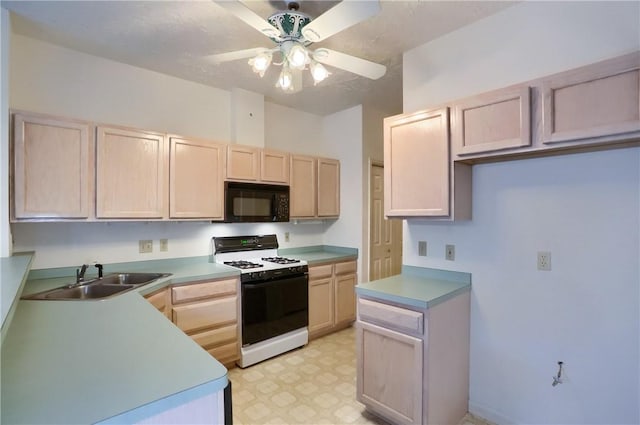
294,32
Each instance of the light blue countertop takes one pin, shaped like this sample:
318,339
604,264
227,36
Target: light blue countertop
417,286
13,275
87,361
319,254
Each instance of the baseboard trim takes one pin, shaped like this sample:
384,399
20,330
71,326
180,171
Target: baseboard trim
490,415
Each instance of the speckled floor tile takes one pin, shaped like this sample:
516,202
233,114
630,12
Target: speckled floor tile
312,385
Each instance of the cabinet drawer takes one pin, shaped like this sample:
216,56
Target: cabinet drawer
191,317
216,336
225,353
390,316
317,272
194,291
346,267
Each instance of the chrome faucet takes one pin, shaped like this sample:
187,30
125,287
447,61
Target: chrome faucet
80,273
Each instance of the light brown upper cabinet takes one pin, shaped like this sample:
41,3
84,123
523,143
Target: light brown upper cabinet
499,120
418,180
598,100
274,166
328,187
247,163
131,174
303,187
243,163
196,184
315,187
53,166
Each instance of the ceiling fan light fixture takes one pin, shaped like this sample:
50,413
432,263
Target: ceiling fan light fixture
298,57
318,72
285,80
260,63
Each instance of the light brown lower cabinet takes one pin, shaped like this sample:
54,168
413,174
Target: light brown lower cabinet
161,300
332,297
412,363
207,311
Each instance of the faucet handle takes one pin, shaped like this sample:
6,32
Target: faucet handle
99,267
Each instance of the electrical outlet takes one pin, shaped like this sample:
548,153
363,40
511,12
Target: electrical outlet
450,252
164,244
286,236
145,246
544,260
422,248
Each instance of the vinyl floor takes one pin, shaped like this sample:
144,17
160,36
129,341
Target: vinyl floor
312,385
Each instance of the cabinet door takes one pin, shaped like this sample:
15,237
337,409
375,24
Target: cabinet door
320,305
345,294
243,163
492,121
390,373
597,100
196,185
416,157
53,167
303,187
274,167
328,187
131,177
159,300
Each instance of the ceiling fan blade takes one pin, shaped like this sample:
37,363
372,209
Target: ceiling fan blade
236,55
339,17
350,63
249,17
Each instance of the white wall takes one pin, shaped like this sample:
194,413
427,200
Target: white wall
293,131
5,231
50,79
584,208
343,140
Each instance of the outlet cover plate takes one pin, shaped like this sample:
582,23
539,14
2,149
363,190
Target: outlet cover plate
450,252
544,260
145,246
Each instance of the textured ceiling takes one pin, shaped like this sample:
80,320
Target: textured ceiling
175,37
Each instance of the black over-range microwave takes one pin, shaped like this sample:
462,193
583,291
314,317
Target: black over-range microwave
254,202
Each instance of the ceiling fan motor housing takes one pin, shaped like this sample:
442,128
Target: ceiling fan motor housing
290,24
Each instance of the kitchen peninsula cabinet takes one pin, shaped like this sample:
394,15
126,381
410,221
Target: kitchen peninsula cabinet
247,163
412,356
191,163
52,168
315,187
331,297
131,174
208,312
420,180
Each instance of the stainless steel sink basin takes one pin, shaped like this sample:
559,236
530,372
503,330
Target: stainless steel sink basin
98,289
131,278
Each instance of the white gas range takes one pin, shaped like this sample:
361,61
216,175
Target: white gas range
274,295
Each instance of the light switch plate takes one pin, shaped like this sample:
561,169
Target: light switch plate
450,252
145,246
422,248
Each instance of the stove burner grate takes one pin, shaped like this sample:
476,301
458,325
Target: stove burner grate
242,264
280,260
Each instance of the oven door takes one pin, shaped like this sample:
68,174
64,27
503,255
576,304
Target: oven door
274,307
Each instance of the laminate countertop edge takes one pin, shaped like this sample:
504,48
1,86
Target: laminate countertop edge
417,287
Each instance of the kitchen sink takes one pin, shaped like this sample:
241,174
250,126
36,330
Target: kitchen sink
131,278
100,288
